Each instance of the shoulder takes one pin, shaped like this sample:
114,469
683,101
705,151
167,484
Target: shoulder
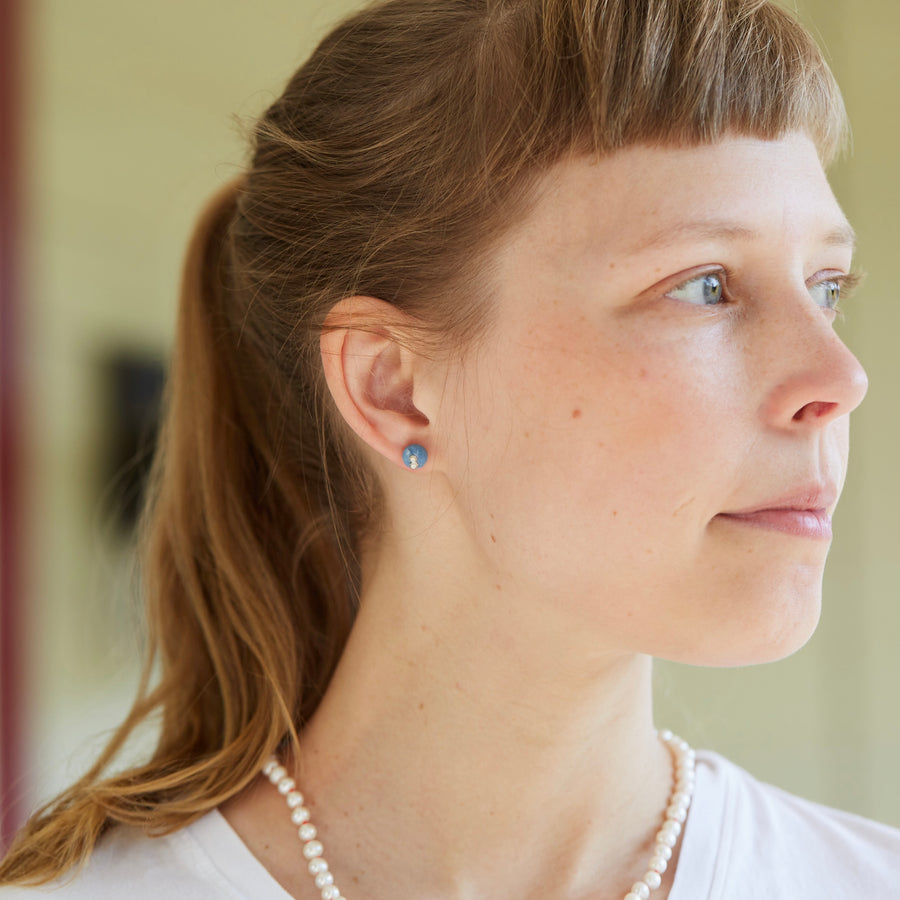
773,836
766,806
205,860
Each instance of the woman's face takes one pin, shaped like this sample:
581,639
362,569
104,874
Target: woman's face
663,353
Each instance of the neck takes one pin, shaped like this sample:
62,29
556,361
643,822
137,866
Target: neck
466,750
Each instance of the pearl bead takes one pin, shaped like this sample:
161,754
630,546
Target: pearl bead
652,879
323,879
639,889
317,866
294,799
277,774
672,827
658,864
286,785
330,893
307,832
300,815
312,849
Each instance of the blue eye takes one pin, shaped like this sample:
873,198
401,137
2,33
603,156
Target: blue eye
826,293
705,290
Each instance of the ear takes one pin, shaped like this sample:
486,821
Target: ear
372,377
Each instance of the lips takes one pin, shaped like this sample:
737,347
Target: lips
802,512
815,523
814,496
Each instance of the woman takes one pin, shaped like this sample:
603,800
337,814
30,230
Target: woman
508,365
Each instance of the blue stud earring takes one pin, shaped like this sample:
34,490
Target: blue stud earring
415,456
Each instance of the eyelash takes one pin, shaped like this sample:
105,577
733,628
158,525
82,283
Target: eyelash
847,283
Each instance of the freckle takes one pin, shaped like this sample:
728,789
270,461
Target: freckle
492,515
600,445
421,706
424,628
527,434
576,413
615,512
612,265
493,539
458,686
498,587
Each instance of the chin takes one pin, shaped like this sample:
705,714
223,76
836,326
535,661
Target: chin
763,620
776,632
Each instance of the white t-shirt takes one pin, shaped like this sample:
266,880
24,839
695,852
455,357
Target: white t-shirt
743,840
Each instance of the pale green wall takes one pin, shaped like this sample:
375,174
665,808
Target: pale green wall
866,37
130,131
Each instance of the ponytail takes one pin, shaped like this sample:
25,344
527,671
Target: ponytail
225,520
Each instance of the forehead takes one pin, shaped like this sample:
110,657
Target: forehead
643,199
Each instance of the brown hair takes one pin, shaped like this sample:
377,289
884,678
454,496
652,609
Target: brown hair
394,157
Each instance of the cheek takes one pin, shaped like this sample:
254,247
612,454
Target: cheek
599,445
646,407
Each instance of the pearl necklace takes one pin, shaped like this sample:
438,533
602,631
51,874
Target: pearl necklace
666,837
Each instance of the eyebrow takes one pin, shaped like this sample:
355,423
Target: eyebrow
711,229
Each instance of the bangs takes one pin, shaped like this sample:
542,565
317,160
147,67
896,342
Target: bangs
609,73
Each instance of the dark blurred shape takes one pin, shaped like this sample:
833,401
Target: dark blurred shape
132,390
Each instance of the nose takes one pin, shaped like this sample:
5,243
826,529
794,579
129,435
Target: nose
818,379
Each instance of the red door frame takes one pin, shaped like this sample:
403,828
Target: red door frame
11,431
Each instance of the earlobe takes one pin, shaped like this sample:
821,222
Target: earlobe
372,377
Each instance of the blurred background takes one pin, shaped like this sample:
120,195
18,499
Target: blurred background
117,120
